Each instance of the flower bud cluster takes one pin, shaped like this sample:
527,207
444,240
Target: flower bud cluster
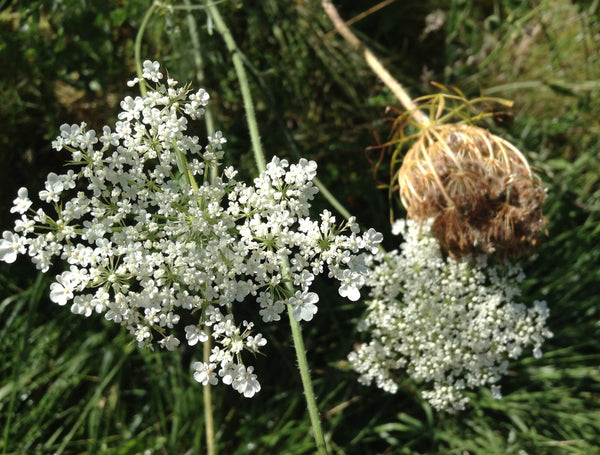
452,325
150,249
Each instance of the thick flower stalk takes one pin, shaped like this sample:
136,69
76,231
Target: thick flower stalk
452,325
152,250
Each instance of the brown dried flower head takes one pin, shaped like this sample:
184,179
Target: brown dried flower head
477,186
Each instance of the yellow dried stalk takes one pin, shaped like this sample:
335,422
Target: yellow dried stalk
477,186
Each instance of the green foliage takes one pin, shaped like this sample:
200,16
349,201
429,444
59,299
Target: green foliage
60,61
73,385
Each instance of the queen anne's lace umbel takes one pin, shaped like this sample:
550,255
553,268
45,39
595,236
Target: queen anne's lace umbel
148,248
451,325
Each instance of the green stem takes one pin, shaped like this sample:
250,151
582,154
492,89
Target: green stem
187,175
260,163
138,46
199,64
209,425
292,143
331,198
309,394
240,71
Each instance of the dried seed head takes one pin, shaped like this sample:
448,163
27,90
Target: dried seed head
478,187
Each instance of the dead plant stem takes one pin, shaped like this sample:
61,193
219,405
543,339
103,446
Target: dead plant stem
375,64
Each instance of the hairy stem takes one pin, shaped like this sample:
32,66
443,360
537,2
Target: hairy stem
309,394
209,425
260,163
240,71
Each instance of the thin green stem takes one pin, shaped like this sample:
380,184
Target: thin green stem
209,425
260,163
240,71
331,198
199,64
188,176
292,143
309,393
138,46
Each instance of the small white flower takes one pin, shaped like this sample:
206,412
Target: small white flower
349,291
351,282
151,71
11,245
108,137
87,140
24,225
54,187
229,372
254,343
220,356
169,342
195,334
304,279
82,305
70,134
230,172
201,97
131,108
216,141
271,311
61,291
205,373
246,382
142,335
373,238
303,304
22,202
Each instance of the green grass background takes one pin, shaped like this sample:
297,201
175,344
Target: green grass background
70,385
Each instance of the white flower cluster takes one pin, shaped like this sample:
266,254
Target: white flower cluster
149,248
452,325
